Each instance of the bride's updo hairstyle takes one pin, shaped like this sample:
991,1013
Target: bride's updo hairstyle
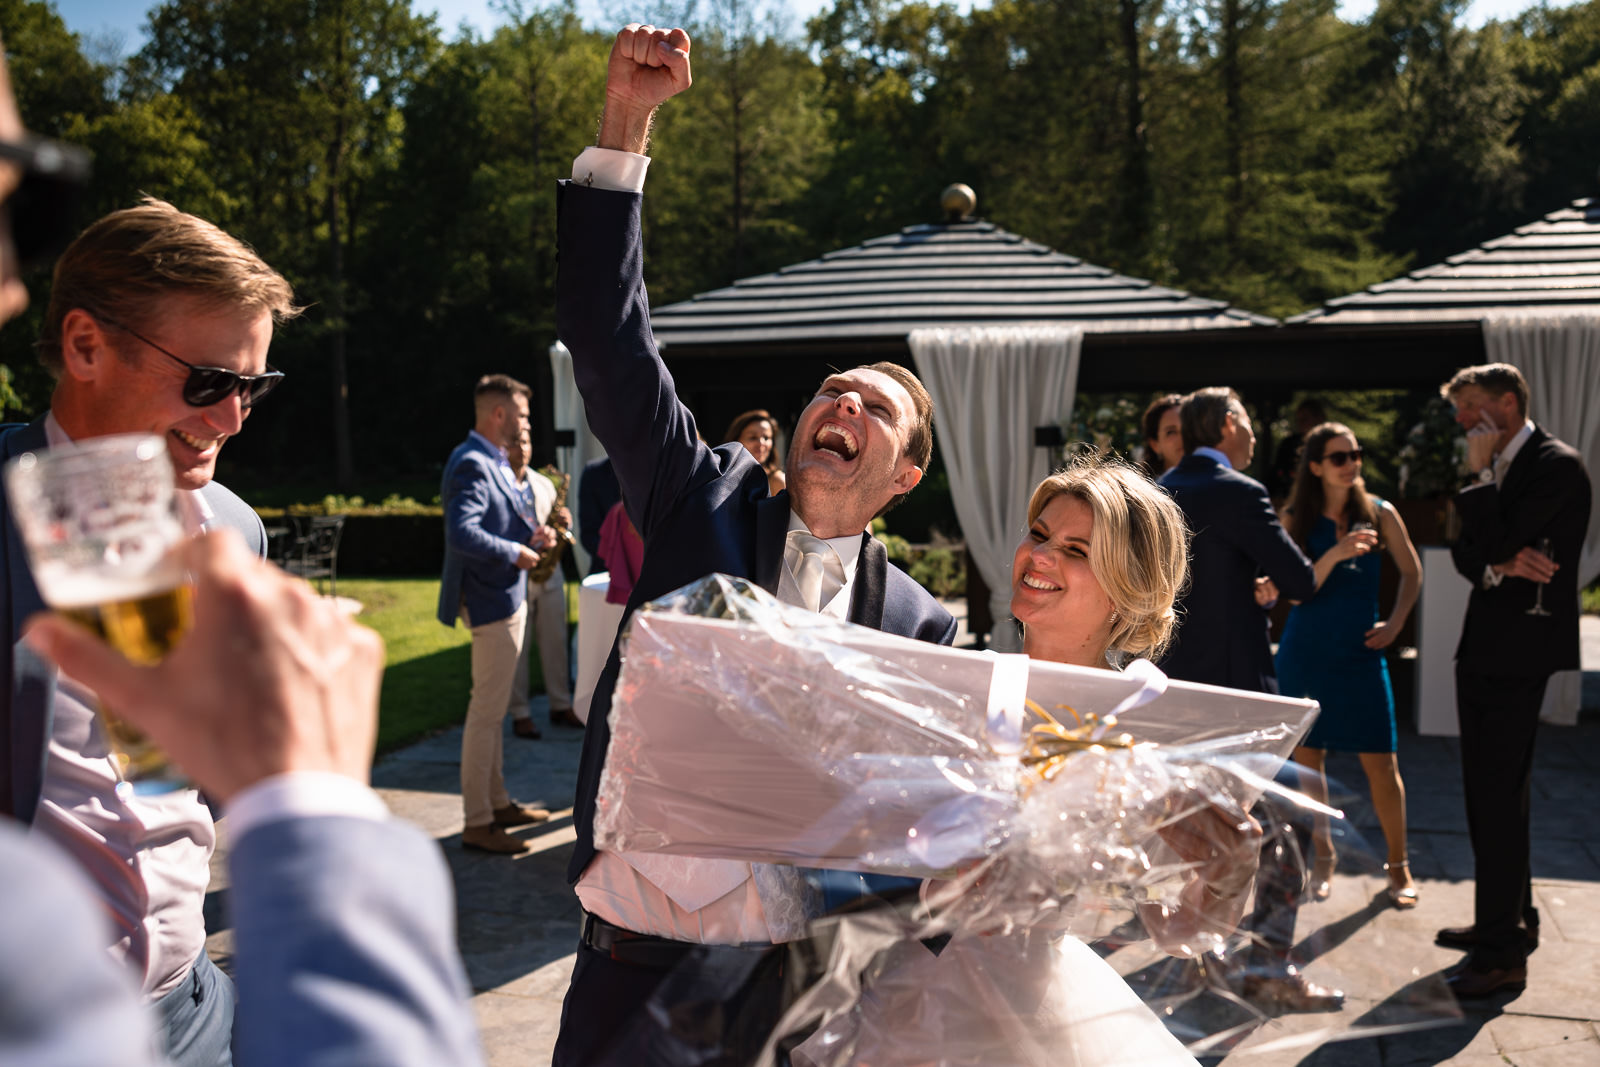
1140,549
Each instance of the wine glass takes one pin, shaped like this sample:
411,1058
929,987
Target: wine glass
1354,562
1547,550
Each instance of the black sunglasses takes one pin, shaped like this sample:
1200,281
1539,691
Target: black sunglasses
1339,459
210,385
44,205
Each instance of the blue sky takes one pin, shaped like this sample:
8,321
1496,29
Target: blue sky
119,22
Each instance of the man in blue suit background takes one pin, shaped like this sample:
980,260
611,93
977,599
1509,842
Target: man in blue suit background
1242,557
491,539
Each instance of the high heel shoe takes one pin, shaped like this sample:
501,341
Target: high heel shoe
1322,875
1403,895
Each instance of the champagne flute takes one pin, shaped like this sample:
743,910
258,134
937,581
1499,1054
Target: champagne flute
1354,562
99,520
1545,548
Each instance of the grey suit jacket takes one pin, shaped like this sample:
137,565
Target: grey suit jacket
345,955
26,702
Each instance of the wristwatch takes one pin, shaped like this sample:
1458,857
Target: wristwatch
1483,477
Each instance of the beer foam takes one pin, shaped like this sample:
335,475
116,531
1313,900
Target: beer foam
65,588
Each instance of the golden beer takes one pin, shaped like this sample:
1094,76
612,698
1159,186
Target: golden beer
143,628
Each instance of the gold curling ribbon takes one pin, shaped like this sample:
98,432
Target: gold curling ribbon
1051,743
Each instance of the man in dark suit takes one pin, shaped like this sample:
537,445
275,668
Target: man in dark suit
1239,549
491,541
158,323
1524,514
860,446
344,927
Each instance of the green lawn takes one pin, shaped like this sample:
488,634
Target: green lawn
428,676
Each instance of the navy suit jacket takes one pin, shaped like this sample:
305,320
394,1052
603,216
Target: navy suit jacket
26,705
344,945
700,510
1545,493
484,532
1223,635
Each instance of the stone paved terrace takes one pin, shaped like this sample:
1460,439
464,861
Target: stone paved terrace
518,920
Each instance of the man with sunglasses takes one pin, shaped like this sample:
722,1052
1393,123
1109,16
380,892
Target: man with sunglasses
158,322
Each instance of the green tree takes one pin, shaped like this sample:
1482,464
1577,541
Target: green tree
299,100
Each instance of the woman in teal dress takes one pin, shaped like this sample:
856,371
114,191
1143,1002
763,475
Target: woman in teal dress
1332,646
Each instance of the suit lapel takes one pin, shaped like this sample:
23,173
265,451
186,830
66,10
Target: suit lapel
1524,461
866,601
772,533
497,475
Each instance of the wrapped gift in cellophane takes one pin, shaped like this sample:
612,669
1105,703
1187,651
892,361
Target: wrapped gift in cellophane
1037,801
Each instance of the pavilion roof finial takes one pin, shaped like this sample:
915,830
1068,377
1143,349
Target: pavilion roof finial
958,202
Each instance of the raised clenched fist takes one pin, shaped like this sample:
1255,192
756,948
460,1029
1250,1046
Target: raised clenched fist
647,66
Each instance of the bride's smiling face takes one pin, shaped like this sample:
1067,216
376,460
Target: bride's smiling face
1054,592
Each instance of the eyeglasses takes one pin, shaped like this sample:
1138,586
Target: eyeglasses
44,205
210,385
1339,459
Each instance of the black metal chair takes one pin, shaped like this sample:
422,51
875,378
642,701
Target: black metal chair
315,552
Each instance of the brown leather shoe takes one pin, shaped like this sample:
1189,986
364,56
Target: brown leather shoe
525,728
565,717
514,814
1466,937
1291,992
493,838
1470,983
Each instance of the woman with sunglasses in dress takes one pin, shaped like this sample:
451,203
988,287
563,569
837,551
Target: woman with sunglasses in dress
1332,646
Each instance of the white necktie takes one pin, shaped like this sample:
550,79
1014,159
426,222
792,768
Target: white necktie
818,573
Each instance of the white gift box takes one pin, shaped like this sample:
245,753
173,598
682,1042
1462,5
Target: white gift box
783,736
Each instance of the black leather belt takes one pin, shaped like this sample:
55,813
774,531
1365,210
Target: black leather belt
647,950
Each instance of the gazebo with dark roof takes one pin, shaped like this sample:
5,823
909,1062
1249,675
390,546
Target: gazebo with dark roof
858,304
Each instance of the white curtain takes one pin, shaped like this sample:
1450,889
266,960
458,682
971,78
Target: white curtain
1560,357
570,416
991,386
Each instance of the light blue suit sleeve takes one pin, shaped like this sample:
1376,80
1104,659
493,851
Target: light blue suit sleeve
63,1000
345,941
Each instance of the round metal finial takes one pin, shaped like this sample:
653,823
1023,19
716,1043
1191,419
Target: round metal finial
958,202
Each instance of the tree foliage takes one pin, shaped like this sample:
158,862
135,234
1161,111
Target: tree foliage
1263,151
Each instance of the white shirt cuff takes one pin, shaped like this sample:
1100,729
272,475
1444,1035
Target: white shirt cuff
1491,577
609,168
301,794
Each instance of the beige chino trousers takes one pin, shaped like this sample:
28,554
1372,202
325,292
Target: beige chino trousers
496,649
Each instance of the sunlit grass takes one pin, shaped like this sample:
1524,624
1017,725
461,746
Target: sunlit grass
428,676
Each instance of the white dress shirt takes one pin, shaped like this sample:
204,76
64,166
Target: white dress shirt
150,856
1499,465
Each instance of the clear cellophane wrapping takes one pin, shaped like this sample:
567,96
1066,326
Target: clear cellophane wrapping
1065,823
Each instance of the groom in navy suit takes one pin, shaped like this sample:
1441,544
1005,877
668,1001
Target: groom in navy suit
650,982
491,537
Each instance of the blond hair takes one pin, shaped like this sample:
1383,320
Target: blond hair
1139,552
127,261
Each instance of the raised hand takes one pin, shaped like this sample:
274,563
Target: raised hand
647,66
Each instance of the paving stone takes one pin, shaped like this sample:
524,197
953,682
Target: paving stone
1463,1044
1572,909
1568,1054
1521,1033
517,1031
1562,979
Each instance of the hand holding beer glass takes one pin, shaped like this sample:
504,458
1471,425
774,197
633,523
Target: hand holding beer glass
99,520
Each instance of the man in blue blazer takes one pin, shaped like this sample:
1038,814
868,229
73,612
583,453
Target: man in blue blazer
653,943
1223,639
1224,636
490,538
343,916
158,323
